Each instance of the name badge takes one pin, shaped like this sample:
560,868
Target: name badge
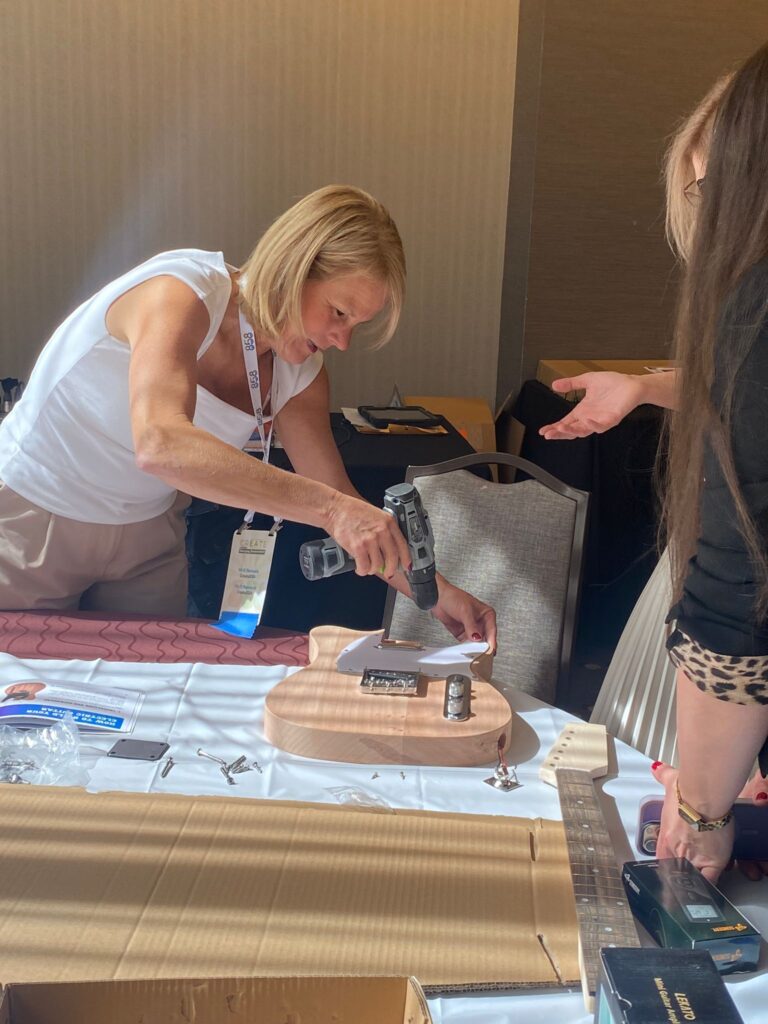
250,560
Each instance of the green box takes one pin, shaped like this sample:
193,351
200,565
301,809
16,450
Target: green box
682,910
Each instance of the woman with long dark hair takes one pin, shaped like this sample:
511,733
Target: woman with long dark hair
716,504
716,499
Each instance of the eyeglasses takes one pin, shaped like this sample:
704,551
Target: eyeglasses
694,189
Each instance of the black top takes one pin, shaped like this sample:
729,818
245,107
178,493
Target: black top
717,607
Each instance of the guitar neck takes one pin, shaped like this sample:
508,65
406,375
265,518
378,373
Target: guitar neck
602,911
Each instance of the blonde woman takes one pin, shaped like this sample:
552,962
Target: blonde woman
149,390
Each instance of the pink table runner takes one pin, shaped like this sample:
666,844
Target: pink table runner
86,637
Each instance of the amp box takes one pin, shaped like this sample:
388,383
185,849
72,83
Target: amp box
661,986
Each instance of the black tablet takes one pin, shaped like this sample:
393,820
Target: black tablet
404,416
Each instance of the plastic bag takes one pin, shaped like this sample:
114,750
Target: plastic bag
43,756
351,796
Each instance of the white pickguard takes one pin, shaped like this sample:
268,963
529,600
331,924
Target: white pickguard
430,661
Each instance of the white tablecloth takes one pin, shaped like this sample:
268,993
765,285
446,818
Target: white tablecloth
220,708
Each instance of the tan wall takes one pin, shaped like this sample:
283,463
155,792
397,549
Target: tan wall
601,85
132,126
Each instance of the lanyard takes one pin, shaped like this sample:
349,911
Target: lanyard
251,358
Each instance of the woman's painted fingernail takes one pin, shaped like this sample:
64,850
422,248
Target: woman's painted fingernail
761,796
476,636
656,764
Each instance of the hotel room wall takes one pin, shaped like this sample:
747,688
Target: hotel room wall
134,127
601,85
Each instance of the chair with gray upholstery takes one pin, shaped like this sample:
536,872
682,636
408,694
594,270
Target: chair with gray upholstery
518,546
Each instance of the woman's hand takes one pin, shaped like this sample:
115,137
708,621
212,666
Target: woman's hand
463,615
710,852
369,534
608,398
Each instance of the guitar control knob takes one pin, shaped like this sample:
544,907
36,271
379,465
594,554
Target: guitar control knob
458,694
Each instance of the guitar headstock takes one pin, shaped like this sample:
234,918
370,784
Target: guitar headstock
581,746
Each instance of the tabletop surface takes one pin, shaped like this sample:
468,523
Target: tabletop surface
219,707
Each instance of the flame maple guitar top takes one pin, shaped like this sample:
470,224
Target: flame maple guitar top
322,713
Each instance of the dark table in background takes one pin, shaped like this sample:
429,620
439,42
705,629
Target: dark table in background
617,469
373,462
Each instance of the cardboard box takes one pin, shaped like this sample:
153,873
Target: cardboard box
218,1001
470,416
550,370
102,886
656,986
678,906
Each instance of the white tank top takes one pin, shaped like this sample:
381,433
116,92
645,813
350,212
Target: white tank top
67,445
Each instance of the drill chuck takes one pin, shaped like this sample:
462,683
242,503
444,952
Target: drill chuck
424,588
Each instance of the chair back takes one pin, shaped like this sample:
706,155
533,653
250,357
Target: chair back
518,547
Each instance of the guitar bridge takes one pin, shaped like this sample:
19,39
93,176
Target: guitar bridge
399,645
387,681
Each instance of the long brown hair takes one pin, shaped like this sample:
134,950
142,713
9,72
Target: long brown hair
720,313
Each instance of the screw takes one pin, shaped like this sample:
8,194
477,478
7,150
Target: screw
237,766
167,767
258,768
218,760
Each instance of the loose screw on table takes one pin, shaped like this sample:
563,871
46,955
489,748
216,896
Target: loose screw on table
218,760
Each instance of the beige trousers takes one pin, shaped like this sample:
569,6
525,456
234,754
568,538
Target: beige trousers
51,562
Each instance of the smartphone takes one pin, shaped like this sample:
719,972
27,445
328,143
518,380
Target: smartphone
382,416
750,842
139,750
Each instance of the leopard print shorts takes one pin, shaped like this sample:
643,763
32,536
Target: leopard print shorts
736,678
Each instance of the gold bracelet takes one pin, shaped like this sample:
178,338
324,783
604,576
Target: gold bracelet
696,820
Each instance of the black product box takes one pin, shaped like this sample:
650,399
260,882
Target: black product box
661,986
681,909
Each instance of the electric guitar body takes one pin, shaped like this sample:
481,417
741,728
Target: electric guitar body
323,713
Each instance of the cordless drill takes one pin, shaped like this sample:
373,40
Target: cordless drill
322,558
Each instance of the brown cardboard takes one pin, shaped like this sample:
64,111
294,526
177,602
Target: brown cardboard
470,416
510,434
134,885
218,1001
552,369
